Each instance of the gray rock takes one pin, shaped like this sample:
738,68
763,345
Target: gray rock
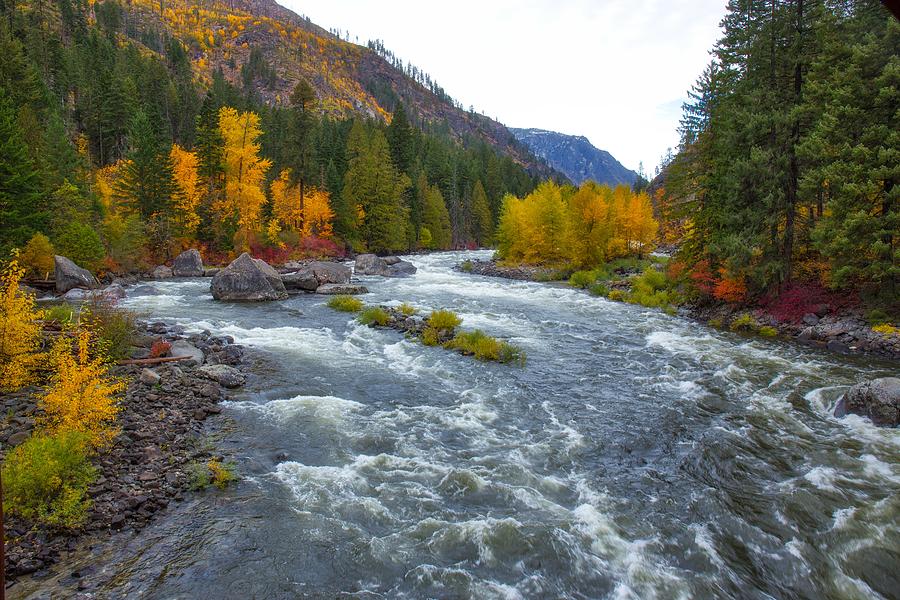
332,289
249,280
224,375
161,272
150,377
810,319
27,290
391,266
315,274
17,438
188,264
878,399
70,276
185,348
839,347
211,272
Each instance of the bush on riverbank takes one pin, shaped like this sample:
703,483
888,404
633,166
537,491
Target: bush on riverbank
345,303
45,479
374,315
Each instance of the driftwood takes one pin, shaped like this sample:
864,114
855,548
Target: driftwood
153,361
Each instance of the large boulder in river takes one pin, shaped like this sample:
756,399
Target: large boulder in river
879,400
188,264
315,274
161,272
389,266
70,276
247,279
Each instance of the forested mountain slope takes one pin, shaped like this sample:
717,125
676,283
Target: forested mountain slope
576,157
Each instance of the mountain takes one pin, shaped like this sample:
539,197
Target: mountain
575,157
265,46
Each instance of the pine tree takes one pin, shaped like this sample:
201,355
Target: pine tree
482,224
21,199
436,219
147,182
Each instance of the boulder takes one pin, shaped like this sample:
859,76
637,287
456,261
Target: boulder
185,348
211,272
351,289
878,399
188,264
70,276
315,274
150,377
161,272
223,375
390,266
248,279
19,437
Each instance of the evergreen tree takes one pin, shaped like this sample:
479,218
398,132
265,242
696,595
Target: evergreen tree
436,219
147,181
21,209
482,223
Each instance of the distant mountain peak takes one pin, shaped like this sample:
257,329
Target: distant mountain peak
575,156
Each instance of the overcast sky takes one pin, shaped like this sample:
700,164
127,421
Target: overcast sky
614,71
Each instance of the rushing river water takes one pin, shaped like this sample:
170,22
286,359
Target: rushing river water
637,455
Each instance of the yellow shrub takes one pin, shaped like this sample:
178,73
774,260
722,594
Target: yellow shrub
37,256
886,329
82,395
20,331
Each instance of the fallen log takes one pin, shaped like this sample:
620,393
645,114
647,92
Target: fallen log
153,361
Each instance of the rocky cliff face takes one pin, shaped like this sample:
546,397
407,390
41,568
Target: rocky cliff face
575,157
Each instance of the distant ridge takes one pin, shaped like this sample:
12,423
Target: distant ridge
575,157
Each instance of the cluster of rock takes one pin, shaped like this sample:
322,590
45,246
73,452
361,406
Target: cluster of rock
150,462
320,277
845,334
878,400
490,268
248,279
387,266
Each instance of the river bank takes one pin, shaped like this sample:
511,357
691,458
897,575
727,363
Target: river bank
845,332
169,418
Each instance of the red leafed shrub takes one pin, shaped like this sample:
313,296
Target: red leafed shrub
160,348
730,289
799,299
703,279
270,254
318,247
675,270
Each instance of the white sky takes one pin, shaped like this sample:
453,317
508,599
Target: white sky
614,71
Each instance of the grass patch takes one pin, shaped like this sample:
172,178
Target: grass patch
599,289
716,322
345,303
466,266
374,315
431,337
115,327
407,310
744,322
767,331
583,279
484,347
45,479
223,474
616,295
199,477
886,329
60,313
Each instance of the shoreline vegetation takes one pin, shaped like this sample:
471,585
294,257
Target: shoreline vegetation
106,421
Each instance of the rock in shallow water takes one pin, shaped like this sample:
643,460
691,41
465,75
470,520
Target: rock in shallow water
248,279
70,276
389,266
224,375
879,400
188,264
350,289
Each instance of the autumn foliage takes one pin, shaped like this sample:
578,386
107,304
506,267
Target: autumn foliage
20,331
583,227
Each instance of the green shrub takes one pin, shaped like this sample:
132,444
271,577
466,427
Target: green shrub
484,347
616,295
582,279
115,327
716,322
744,322
431,337
767,331
877,317
599,289
407,309
650,289
466,266
444,319
46,479
374,315
345,303
80,243
61,313
198,477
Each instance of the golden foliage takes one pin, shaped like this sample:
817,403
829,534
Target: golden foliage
37,256
310,216
81,397
286,201
20,331
317,213
189,193
244,169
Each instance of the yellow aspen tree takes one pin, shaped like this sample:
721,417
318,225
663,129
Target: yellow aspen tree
189,193
82,396
20,331
646,227
317,213
286,201
244,168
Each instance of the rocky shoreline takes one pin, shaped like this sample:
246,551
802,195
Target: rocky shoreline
846,333
168,414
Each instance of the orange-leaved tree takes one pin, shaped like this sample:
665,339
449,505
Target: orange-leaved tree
317,213
20,331
82,394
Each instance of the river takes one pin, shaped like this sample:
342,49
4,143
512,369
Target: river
636,455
